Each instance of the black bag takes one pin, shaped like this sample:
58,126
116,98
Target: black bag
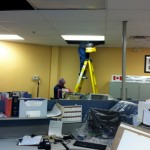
104,122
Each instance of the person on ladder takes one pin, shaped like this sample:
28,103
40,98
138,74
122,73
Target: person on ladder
83,56
84,50
86,63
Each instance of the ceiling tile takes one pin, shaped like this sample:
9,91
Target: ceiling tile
128,4
128,15
67,4
74,15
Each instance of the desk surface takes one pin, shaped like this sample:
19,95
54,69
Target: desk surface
8,144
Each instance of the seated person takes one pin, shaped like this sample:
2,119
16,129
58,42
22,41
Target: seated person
58,88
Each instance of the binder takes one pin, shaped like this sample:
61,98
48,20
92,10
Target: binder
15,106
8,107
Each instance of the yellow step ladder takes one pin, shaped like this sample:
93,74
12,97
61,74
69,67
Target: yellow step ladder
87,63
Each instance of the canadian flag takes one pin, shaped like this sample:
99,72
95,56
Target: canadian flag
116,78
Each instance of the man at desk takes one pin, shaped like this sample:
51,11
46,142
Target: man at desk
58,88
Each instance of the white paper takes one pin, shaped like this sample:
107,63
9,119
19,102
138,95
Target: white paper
141,107
28,140
54,112
33,113
33,103
146,117
133,141
55,128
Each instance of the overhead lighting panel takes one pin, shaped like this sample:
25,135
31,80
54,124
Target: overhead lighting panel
83,37
76,39
10,37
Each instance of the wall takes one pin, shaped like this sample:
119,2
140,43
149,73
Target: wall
108,61
19,62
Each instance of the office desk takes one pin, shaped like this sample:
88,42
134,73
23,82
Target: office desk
11,144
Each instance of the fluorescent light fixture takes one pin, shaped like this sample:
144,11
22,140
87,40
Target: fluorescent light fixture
10,37
83,38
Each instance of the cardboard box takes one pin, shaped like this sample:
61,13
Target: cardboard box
129,137
33,108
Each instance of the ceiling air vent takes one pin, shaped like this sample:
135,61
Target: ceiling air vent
139,38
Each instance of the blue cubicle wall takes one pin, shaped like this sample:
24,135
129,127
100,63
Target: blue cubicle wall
16,127
86,104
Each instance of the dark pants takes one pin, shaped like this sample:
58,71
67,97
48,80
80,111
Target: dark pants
83,56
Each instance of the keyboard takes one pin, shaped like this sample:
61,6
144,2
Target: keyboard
90,145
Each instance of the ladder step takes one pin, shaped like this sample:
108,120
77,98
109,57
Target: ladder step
92,75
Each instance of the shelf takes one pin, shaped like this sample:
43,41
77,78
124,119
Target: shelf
23,118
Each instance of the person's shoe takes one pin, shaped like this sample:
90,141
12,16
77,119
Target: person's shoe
84,77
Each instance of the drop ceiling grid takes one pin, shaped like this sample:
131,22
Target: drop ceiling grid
138,22
76,22
50,24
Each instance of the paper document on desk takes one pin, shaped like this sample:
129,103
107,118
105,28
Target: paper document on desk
55,128
28,140
141,107
146,117
55,112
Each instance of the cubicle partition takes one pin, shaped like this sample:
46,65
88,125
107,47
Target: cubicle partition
18,127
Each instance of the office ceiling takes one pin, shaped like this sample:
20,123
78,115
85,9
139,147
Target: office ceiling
44,21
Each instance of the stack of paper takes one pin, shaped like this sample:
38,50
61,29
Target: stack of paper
28,140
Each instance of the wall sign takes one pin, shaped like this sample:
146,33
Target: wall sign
139,79
147,64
